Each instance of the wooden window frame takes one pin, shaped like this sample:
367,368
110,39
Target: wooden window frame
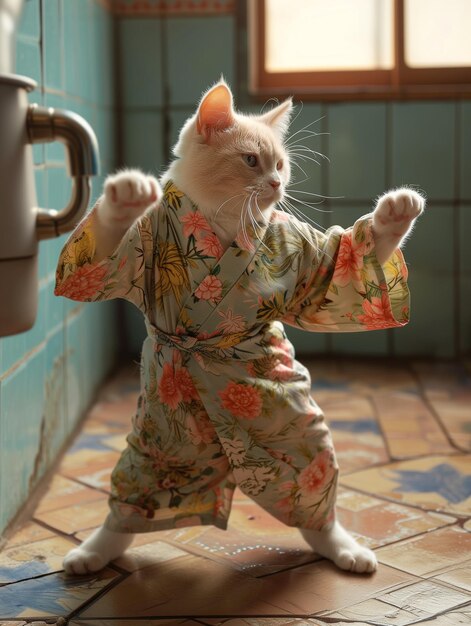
401,82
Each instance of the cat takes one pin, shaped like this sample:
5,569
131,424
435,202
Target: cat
235,168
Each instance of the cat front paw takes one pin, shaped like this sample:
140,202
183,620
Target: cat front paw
127,195
396,210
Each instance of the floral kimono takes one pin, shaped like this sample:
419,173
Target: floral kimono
223,401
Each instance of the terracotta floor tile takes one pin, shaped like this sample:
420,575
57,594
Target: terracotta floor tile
86,461
429,553
255,542
442,375
263,621
407,605
63,492
116,442
364,375
452,618
145,622
209,589
459,576
425,598
53,595
377,522
409,426
35,559
453,408
29,533
437,483
320,587
148,554
78,517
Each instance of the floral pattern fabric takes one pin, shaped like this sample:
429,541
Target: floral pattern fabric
223,400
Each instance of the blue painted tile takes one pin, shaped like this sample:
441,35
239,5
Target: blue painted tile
423,147
429,256
29,24
53,44
141,49
186,48
465,157
47,596
21,414
54,308
143,141
357,149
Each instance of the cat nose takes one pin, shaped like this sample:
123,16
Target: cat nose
274,183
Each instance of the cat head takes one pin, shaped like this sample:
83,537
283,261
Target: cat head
224,154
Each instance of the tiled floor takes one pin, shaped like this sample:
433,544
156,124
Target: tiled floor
403,437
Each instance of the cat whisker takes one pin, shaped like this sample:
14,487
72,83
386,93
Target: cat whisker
225,202
304,128
309,205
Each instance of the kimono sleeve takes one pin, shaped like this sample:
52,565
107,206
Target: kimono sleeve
121,275
347,289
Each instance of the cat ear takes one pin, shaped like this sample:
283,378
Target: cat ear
215,112
278,118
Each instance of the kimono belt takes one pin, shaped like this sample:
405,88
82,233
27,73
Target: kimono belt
242,346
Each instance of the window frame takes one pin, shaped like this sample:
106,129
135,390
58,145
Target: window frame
401,82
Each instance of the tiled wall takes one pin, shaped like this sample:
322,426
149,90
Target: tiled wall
169,59
48,375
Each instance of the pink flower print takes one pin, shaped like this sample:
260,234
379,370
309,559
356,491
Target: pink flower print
231,323
349,261
185,384
319,472
210,246
210,289
377,313
241,400
85,283
200,428
176,385
194,223
169,392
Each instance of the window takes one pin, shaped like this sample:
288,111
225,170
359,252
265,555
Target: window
361,48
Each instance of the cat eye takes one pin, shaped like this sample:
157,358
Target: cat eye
250,159
279,165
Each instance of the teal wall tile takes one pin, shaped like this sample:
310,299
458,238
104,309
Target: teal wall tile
423,150
141,54
37,334
357,149
29,22
135,327
193,64
28,59
103,56
20,431
465,156
465,280
104,127
53,44
177,118
429,256
78,61
67,47
306,343
143,141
